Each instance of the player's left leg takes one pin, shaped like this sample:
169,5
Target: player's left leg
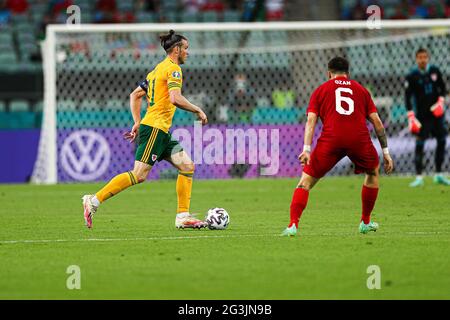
117,184
365,158
369,194
186,168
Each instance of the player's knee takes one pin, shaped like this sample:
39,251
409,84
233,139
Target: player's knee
140,175
188,167
305,184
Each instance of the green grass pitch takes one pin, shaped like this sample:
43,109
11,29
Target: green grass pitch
135,252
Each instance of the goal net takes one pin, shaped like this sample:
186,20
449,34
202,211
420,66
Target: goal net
253,80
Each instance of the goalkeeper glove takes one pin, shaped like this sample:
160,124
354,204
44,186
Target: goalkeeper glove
438,108
413,124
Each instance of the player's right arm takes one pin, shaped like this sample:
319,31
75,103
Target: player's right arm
177,99
309,134
135,107
374,118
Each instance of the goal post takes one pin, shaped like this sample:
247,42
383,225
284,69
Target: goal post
247,76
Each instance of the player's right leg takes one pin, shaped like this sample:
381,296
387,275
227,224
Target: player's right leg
299,202
369,194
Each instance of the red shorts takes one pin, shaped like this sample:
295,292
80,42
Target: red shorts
326,154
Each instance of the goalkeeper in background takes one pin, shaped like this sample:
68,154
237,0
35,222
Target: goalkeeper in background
162,87
425,95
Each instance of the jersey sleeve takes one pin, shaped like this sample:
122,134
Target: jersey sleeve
441,90
409,93
371,108
313,105
174,77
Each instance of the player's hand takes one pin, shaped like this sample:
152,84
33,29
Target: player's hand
131,136
438,108
414,125
202,116
304,157
388,163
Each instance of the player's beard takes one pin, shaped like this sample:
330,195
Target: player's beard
180,60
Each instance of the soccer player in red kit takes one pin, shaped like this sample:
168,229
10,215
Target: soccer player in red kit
343,105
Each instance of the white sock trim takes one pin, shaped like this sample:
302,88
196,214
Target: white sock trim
95,201
182,215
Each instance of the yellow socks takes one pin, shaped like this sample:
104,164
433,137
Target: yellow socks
184,188
117,184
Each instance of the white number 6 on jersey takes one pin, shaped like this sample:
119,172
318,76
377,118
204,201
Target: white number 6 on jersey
348,100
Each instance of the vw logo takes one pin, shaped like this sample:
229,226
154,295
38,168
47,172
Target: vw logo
85,155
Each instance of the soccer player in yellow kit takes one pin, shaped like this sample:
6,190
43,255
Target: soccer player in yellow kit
163,90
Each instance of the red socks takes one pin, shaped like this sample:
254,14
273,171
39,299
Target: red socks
300,199
298,204
368,196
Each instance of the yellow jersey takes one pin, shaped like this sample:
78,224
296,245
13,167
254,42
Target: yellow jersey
165,77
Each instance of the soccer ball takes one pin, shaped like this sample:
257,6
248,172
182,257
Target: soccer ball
217,219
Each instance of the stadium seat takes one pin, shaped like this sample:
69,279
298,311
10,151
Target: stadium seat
10,67
169,5
125,6
38,106
114,104
147,17
6,46
19,105
276,116
6,36
8,57
90,104
170,16
189,17
19,18
231,16
209,16
66,105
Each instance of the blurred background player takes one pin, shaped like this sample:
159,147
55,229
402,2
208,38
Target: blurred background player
163,90
343,106
425,95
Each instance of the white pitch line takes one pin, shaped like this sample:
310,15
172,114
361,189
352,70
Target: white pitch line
418,233
130,239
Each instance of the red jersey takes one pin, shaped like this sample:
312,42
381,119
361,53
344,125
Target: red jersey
343,105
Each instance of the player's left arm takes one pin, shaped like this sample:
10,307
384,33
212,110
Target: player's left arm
374,118
438,108
174,83
309,134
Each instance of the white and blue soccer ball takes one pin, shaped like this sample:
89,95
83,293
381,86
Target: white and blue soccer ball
217,219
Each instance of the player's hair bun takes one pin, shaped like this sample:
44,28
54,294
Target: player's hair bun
170,39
